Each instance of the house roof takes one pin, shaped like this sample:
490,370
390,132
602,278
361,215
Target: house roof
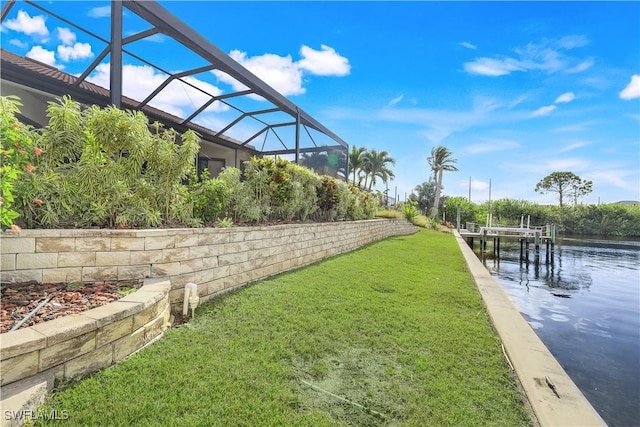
37,75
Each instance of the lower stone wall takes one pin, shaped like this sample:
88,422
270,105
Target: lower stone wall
79,344
216,259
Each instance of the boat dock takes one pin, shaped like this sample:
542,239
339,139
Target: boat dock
525,235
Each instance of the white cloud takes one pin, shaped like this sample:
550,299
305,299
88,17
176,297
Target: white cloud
548,55
489,145
616,177
468,45
177,98
436,125
156,38
583,66
283,73
573,41
324,62
568,164
574,146
543,111
18,43
66,36
77,51
492,67
562,99
565,97
476,185
43,55
394,101
100,12
633,88
279,72
543,165
577,127
24,23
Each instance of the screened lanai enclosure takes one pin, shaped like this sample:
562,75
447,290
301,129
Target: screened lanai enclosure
194,85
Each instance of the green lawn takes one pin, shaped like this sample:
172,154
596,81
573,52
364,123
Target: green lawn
392,334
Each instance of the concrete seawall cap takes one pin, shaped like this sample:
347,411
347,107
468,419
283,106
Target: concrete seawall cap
552,394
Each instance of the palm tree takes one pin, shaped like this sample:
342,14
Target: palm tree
356,161
376,166
440,160
316,160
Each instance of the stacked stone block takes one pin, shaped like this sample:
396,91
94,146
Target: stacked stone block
215,259
79,344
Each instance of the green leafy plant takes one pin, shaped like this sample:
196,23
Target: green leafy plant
17,154
209,197
168,164
107,167
126,291
224,223
327,198
240,205
258,180
104,167
410,210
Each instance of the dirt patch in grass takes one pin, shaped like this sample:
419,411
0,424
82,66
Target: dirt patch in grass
60,299
356,387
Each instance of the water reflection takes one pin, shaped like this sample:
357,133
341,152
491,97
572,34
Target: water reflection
586,308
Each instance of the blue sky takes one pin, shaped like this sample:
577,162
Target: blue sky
516,90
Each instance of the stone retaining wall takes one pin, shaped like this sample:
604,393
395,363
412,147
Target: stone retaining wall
79,344
216,259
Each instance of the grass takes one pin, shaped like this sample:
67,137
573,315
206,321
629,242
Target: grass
391,334
388,213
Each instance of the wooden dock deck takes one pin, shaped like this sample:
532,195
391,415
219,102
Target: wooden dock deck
525,235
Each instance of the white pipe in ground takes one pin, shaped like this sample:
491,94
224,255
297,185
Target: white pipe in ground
191,298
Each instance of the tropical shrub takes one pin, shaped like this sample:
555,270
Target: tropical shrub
369,204
344,195
410,210
168,165
18,153
107,167
469,212
209,197
240,204
303,201
327,196
104,167
258,174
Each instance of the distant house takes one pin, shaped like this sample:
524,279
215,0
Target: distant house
628,203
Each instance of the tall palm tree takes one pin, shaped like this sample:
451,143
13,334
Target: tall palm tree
356,161
376,166
440,160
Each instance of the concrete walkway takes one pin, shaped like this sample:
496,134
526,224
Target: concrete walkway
554,397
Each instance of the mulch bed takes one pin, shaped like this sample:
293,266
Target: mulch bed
19,299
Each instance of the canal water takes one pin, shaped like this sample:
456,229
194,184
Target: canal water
586,309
